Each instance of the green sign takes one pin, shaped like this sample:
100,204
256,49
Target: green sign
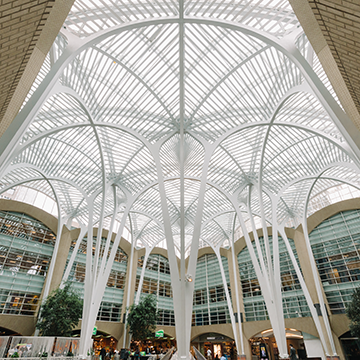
159,333
95,330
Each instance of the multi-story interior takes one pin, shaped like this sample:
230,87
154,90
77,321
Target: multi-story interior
210,150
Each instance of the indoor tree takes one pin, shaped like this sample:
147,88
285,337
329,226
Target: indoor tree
353,313
142,318
60,312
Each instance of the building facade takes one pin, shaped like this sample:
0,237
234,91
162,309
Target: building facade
27,241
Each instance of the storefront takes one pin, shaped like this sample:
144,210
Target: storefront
103,340
263,345
217,343
156,345
100,340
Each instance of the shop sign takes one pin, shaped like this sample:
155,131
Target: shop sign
159,333
95,330
215,338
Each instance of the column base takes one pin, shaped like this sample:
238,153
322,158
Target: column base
333,357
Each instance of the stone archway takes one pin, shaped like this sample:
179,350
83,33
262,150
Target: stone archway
217,343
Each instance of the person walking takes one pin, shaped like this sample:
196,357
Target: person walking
137,354
102,353
292,353
209,354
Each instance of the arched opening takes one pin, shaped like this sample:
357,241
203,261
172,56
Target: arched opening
263,345
7,332
159,344
101,339
218,344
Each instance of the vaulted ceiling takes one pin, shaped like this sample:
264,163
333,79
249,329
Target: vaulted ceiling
180,107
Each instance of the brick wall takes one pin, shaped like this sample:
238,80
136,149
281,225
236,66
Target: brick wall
339,21
21,22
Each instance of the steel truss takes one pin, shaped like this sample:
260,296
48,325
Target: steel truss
184,161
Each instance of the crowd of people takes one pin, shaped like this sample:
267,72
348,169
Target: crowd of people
133,353
223,356
17,352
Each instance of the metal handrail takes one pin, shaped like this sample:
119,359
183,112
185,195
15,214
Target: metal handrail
167,356
198,354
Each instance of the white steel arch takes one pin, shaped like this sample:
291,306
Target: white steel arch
231,116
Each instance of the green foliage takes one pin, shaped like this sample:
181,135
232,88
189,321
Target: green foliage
142,318
353,313
60,312
15,355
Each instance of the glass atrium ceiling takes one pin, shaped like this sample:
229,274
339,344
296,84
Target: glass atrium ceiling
183,113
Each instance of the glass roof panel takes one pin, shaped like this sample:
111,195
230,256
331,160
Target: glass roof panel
274,16
59,110
90,16
138,96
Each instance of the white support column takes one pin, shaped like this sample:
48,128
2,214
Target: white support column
256,238
96,267
142,275
53,258
315,274
174,270
183,349
266,239
228,300
195,239
276,284
264,284
97,259
274,287
182,290
318,288
307,295
88,284
100,283
182,309
83,231
110,233
129,285
234,261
